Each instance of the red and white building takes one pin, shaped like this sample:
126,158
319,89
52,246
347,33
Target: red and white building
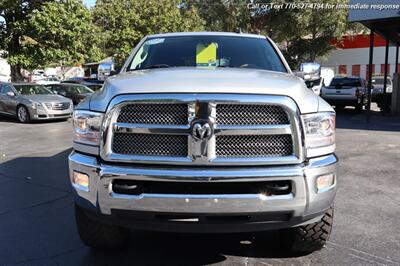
352,55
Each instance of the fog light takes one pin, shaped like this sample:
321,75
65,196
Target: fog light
324,182
80,181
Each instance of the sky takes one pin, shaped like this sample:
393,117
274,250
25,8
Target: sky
89,3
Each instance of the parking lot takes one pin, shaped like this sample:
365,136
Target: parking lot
38,228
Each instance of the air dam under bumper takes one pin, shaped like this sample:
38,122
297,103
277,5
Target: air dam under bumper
42,114
205,212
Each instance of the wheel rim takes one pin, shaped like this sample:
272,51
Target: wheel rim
22,114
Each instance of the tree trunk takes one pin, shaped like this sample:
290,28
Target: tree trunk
16,73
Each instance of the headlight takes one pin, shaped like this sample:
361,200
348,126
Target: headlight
319,132
36,105
87,127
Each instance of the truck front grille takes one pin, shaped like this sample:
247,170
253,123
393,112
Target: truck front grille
150,145
250,114
150,113
251,146
245,130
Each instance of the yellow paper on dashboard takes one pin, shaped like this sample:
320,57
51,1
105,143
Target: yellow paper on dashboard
206,55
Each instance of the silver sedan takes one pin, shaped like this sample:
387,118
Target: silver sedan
29,101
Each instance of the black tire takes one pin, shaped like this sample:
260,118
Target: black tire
339,107
98,235
359,107
23,115
311,237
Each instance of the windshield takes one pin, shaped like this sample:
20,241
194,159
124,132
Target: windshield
77,89
32,89
207,51
379,81
351,82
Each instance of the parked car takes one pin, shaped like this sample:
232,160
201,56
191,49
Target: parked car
346,91
49,80
37,75
204,132
95,86
377,89
29,101
76,92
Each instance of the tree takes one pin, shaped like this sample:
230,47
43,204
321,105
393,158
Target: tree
222,15
124,23
13,28
305,34
63,31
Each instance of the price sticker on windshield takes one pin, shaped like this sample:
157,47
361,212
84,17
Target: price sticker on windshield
206,55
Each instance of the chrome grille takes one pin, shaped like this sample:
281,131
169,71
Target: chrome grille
150,145
250,114
246,129
250,146
58,106
154,113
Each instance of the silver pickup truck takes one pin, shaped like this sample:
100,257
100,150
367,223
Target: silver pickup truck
204,132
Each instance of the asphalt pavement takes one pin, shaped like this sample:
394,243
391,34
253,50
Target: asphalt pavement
37,224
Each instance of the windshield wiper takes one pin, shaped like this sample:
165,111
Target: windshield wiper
155,66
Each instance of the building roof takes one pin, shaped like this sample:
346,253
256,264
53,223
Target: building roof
107,60
381,16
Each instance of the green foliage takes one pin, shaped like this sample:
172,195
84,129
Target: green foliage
36,33
222,15
124,23
12,29
318,28
63,31
304,34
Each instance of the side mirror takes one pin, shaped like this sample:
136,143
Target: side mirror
299,74
310,84
10,93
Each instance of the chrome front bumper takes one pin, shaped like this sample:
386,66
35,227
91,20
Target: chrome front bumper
46,114
305,204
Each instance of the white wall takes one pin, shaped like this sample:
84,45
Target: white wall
5,70
359,56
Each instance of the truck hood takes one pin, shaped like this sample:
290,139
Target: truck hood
202,80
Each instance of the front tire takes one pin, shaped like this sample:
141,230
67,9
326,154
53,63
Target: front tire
311,237
339,107
359,107
98,235
23,114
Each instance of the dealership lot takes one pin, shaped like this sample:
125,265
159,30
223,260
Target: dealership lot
38,228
